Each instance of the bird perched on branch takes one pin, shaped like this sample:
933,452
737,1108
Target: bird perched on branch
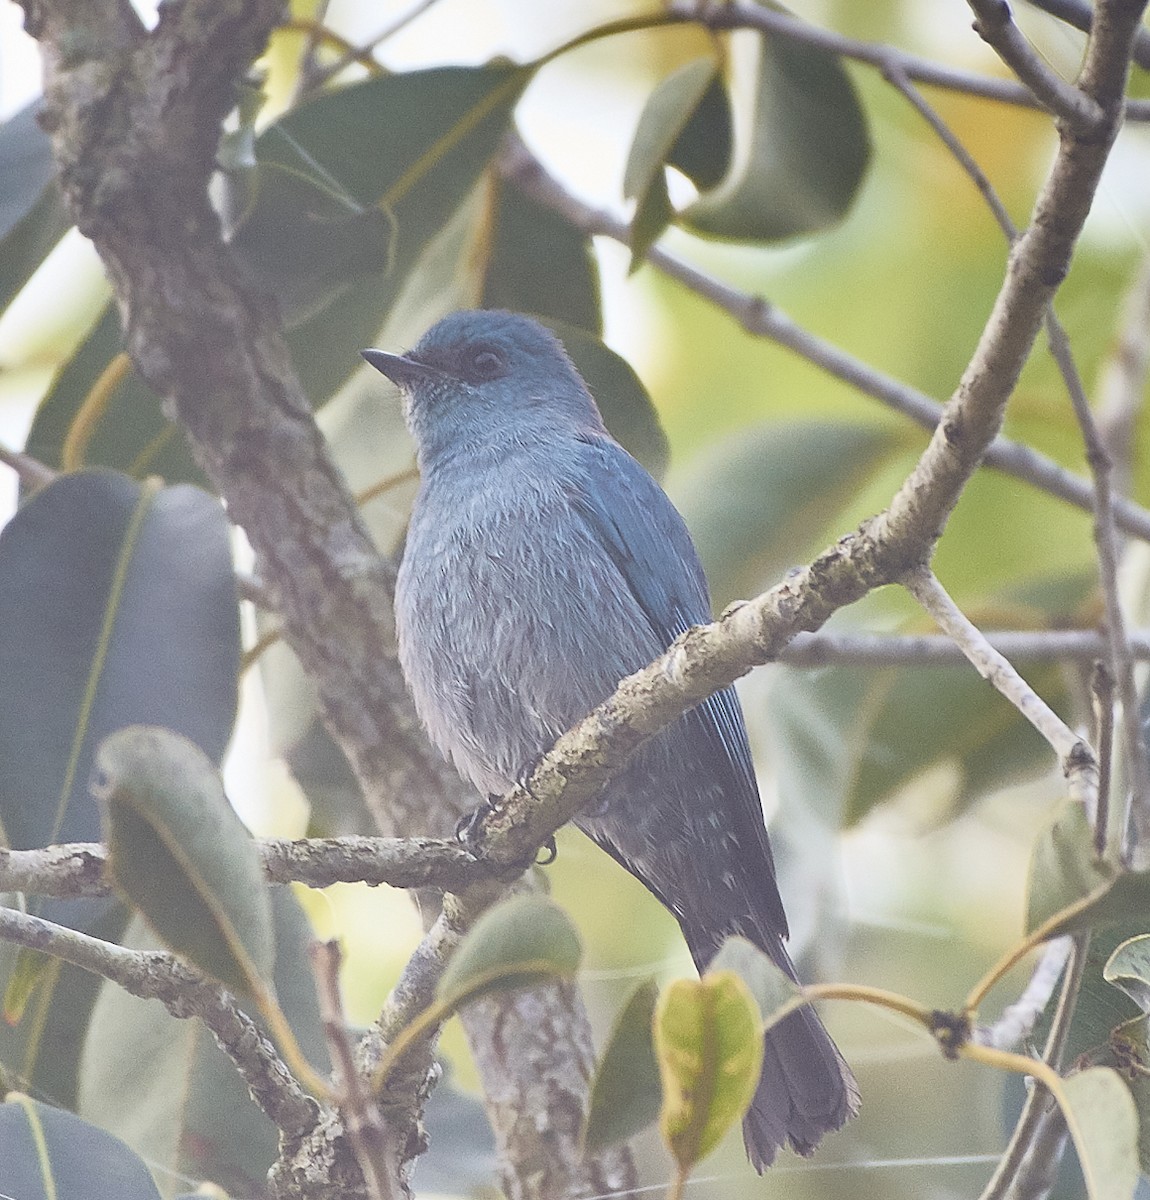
543,564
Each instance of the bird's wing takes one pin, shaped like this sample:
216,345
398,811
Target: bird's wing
649,544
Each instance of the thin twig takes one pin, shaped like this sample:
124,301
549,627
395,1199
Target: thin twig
1019,1019
760,318
366,1128
936,649
1075,756
1120,660
1039,1110
32,473
1102,693
253,590
995,25
319,77
898,79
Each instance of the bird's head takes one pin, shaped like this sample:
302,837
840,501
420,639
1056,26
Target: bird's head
483,377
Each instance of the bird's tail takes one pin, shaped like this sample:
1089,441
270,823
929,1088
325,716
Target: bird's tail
806,1088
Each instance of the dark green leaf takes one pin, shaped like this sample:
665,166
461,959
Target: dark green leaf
49,1154
131,434
33,216
665,116
757,501
539,263
1070,889
710,1047
180,854
652,215
800,148
668,110
41,1049
413,145
303,240
87,566
1100,1008
1104,1125
768,983
626,1093
165,1086
627,409
850,737
519,941
703,151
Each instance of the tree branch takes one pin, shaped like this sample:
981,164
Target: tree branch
995,25
1074,755
156,975
739,14
761,318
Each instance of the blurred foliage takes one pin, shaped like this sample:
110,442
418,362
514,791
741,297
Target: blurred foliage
908,800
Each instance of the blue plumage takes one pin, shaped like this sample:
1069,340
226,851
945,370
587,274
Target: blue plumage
542,565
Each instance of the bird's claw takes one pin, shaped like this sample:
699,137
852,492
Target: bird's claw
547,853
469,827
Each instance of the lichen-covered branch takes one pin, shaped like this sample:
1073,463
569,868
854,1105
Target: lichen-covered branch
156,975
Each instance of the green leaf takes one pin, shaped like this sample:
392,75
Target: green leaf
848,738
87,567
800,147
626,1093
665,116
1071,890
539,263
703,150
627,409
1128,968
519,941
768,983
303,239
710,1047
164,1085
653,214
1100,1008
131,434
40,1041
49,1154
414,145
33,215
180,854
1103,1122
758,501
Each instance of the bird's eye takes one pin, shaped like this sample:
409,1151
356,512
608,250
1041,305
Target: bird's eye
483,362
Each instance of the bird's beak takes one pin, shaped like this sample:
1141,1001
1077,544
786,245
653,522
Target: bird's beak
398,368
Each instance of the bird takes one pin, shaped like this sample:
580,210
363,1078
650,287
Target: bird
542,565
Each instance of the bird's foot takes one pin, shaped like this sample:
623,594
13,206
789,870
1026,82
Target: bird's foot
469,827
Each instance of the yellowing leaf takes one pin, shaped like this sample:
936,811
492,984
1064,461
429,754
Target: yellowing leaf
710,1048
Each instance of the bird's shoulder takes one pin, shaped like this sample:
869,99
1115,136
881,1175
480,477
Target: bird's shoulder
637,524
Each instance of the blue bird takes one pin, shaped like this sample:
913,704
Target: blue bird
542,565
